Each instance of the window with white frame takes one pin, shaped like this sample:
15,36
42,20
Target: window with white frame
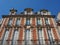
40,36
18,22
5,37
27,21
50,36
39,22
27,36
29,13
10,22
15,37
46,21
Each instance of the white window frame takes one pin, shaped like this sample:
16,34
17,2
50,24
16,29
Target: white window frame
28,36
5,37
27,21
50,36
18,21
40,36
39,21
15,37
10,22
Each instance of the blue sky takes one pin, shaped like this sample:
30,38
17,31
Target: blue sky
52,5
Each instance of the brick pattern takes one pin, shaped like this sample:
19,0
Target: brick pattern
2,27
34,33
45,32
21,31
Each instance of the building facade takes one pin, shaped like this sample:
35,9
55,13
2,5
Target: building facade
58,23
29,28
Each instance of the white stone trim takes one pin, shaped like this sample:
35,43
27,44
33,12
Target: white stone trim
30,21
41,20
25,12
43,35
48,21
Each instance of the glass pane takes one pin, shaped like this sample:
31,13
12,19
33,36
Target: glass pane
46,21
10,22
18,22
5,37
39,22
27,37
28,21
40,37
50,36
15,37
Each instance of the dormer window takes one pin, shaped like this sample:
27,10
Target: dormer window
38,12
13,11
28,11
44,12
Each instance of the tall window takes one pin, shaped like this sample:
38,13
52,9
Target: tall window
28,21
10,22
27,37
39,22
46,21
40,37
18,22
15,37
50,36
5,37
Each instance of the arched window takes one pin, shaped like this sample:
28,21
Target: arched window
5,37
27,36
18,22
15,37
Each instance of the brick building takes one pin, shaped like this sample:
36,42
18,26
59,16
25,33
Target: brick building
29,28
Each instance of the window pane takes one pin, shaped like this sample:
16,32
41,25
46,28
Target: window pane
27,37
27,21
10,22
18,22
46,21
15,37
5,37
39,22
40,37
50,36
